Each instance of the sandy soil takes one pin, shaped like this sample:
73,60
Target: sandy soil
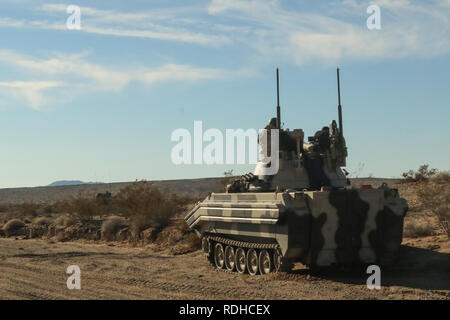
35,269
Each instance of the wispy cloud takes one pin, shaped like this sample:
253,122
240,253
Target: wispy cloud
75,65
267,30
167,25
408,30
337,32
81,76
9,22
157,24
31,91
181,72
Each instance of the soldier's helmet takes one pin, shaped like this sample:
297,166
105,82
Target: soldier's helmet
272,123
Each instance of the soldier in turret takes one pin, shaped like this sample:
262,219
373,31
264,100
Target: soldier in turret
265,146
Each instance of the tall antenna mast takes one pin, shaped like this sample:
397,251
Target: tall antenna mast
278,103
341,129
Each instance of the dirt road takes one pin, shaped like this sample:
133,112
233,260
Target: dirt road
35,269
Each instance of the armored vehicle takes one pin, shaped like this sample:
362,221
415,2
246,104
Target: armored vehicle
303,210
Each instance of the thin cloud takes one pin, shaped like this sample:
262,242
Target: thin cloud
172,35
74,65
181,72
140,24
8,22
408,30
337,32
82,76
161,25
31,91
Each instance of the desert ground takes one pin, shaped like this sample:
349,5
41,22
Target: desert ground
168,267
35,269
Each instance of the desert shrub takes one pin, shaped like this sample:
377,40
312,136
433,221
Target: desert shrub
434,194
182,226
169,236
179,238
442,178
111,226
139,223
147,206
86,207
422,174
192,241
13,226
61,206
418,228
48,208
65,221
42,221
28,209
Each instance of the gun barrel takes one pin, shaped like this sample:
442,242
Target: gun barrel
278,103
341,129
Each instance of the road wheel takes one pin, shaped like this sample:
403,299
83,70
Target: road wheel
229,258
219,256
206,247
241,260
265,263
277,260
252,262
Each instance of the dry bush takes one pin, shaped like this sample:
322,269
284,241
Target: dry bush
48,208
40,221
111,226
65,221
418,228
86,207
180,238
61,206
442,178
192,241
28,209
147,206
422,174
12,227
169,236
434,194
140,223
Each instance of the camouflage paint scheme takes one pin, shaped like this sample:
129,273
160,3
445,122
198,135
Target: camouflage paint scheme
307,211
318,228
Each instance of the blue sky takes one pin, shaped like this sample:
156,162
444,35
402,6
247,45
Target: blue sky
100,103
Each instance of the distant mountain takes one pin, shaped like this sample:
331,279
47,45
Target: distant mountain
70,183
